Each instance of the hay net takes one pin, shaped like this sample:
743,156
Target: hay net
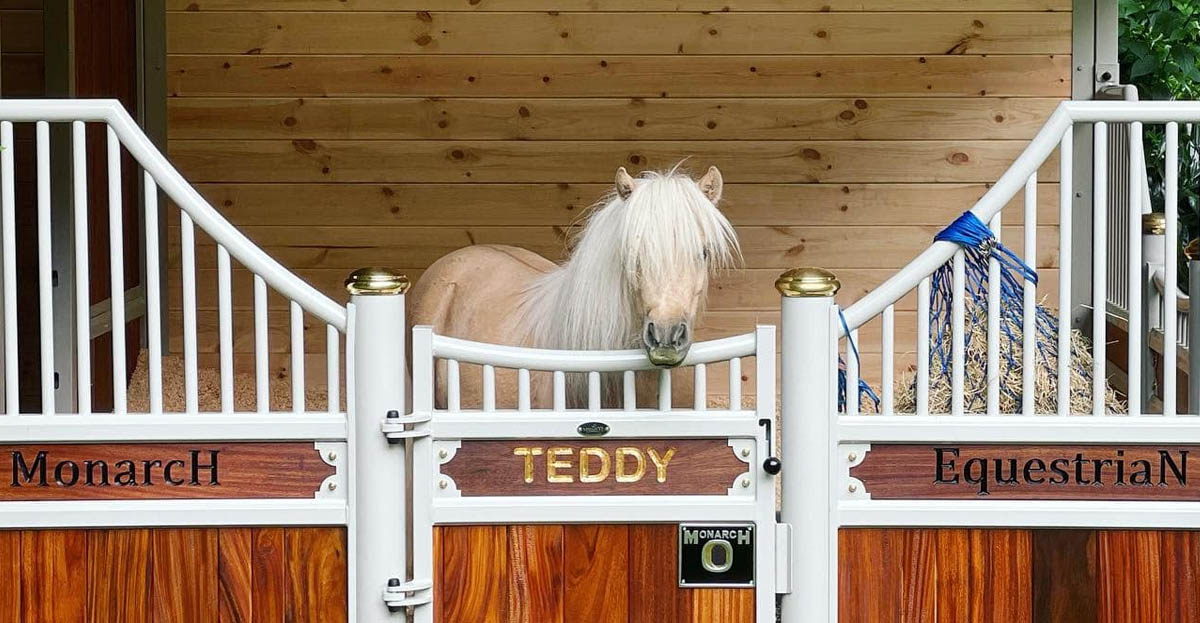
980,246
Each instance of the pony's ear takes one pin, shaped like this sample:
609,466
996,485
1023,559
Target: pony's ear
712,184
624,183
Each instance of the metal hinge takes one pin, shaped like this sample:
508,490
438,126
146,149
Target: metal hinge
409,594
395,428
783,558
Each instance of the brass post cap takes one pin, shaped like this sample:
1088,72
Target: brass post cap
807,281
1154,223
375,281
1192,249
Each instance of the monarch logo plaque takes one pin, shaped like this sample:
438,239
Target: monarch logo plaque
712,555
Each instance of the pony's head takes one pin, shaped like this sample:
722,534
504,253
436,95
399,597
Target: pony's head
671,238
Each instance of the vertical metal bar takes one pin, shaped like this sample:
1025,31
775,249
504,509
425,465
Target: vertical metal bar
958,334
922,406
808,380
83,326
453,386
262,354
298,393
735,383
593,380
153,297
9,224
116,254
225,327
1171,270
523,389
700,387
1133,270
333,379
664,389
187,235
629,389
1193,339
853,397
1099,277
993,326
560,390
1065,195
376,348
889,363
1029,317
45,268
489,388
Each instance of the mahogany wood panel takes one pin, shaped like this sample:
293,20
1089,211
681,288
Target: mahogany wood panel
596,561
185,576
769,162
10,569
628,76
612,5
600,467
474,574
316,571
653,574
1028,472
535,577
1064,576
269,580
722,605
1148,576
214,575
611,32
950,576
119,575
51,566
142,471
234,575
768,119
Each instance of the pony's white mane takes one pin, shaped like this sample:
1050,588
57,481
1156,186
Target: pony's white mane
665,226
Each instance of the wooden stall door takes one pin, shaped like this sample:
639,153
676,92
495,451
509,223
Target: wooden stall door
572,574
1018,576
212,575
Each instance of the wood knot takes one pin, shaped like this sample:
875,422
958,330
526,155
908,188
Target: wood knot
523,111
860,104
712,125
289,121
423,40
821,34
304,145
811,154
635,159
847,115
424,16
958,157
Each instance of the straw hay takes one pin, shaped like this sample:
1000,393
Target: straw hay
976,378
209,389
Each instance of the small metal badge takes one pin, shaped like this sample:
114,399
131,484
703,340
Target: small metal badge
715,555
593,429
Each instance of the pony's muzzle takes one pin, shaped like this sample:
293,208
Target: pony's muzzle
667,344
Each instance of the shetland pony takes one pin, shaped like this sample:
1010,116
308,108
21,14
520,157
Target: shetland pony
637,277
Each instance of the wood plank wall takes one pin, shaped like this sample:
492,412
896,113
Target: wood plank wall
345,133
225,575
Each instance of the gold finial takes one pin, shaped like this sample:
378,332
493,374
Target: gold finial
1192,249
374,281
1154,224
807,282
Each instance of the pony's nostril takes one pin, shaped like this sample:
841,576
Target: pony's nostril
682,338
651,335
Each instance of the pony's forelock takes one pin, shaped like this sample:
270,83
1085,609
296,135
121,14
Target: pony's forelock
665,226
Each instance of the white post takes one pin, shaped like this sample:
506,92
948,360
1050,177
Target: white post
1151,303
809,402
377,538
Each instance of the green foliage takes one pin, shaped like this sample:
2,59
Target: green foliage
1159,45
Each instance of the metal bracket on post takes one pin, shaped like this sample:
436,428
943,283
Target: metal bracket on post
399,594
395,428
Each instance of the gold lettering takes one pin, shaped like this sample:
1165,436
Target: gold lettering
528,453
660,463
599,476
553,465
625,476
